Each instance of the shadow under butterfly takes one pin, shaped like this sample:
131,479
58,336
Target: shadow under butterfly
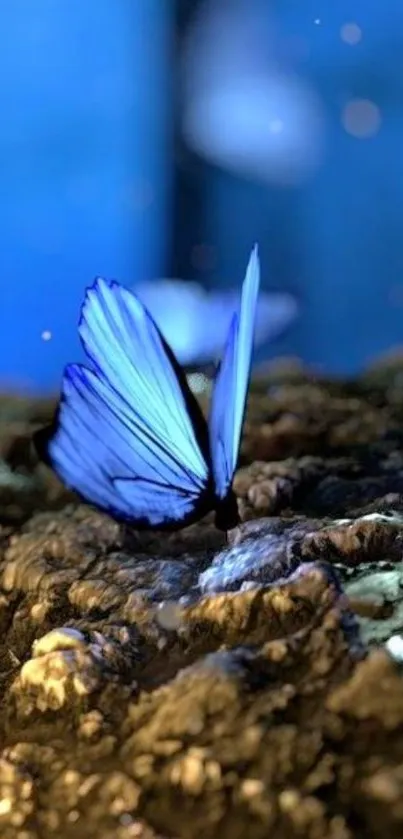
129,435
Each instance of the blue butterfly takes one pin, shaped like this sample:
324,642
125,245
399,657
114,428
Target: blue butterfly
129,435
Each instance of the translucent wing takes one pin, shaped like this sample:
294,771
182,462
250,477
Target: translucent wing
130,436
178,309
182,309
231,385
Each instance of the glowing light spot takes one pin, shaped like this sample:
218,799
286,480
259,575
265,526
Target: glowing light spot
394,646
276,126
317,21
351,34
169,615
361,118
198,382
46,335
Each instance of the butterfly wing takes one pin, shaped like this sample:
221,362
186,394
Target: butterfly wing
130,436
178,310
231,385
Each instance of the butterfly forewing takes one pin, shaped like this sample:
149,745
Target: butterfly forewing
231,385
126,346
129,430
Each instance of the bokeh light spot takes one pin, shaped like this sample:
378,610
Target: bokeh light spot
46,335
276,126
361,118
198,382
351,34
169,615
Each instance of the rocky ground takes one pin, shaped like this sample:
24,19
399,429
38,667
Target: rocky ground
185,686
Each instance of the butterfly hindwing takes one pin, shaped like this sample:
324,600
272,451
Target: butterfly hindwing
231,385
130,436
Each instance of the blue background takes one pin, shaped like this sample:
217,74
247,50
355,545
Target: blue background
87,179
85,175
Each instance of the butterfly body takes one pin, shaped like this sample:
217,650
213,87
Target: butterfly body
129,435
226,512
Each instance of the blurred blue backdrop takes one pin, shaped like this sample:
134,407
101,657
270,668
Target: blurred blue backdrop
331,231
163,137
85,166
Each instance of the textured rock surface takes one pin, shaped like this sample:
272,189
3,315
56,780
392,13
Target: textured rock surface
185,685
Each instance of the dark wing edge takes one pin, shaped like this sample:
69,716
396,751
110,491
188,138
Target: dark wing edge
45,437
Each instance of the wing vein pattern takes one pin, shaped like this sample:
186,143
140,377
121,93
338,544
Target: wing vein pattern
125,439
